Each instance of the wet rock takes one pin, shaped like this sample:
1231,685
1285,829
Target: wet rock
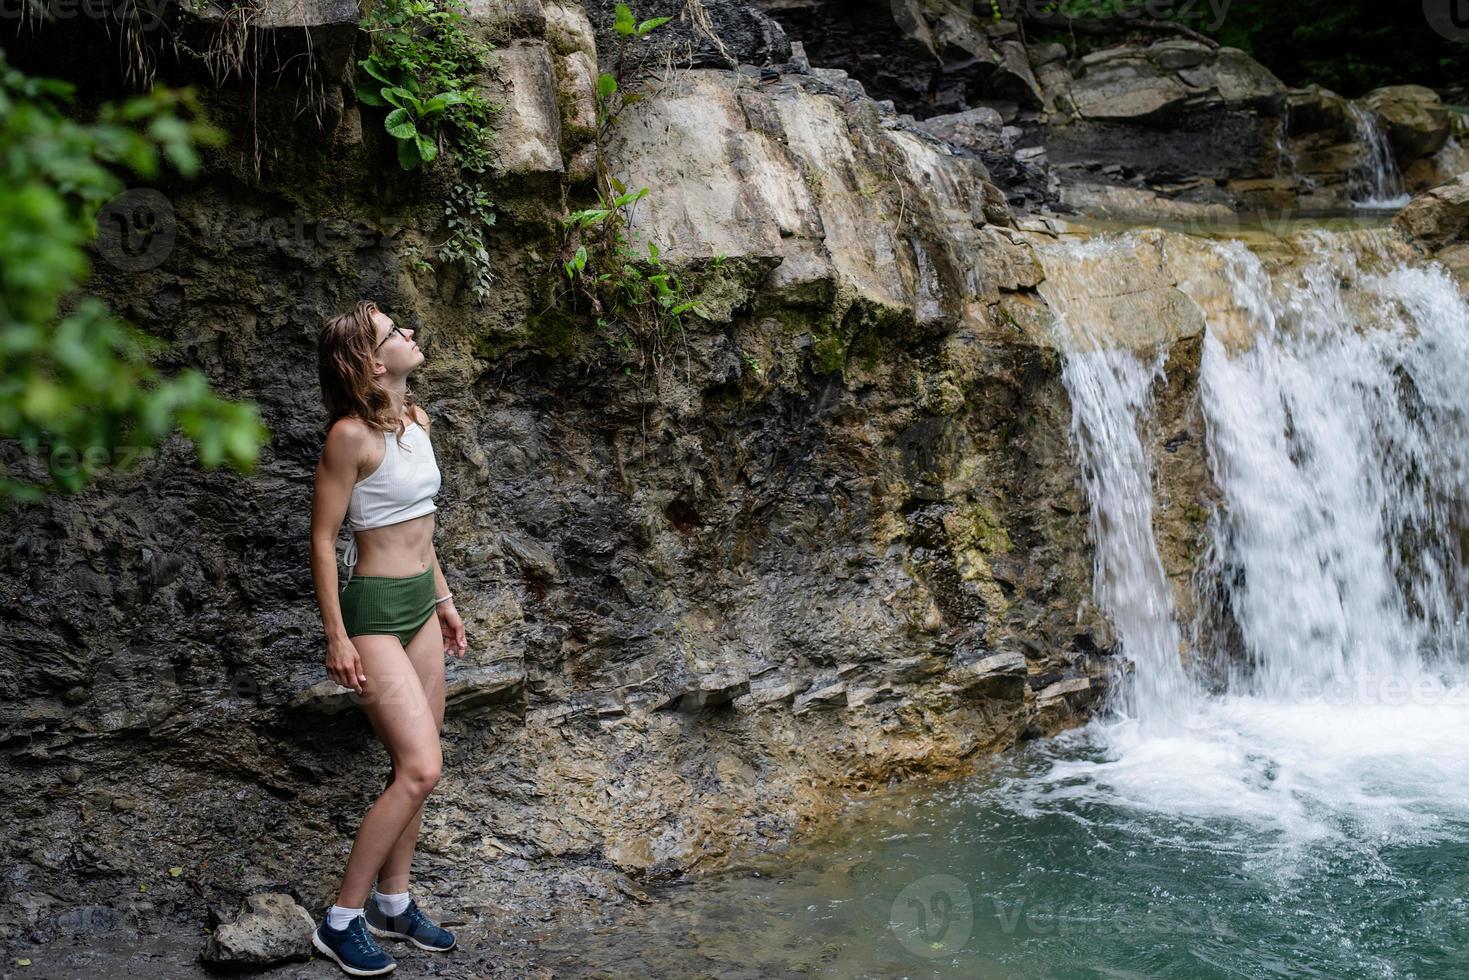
821,696
1440,168
1414,119
1438,217
1438,222
269,929
1063,704
772,693
998,675
709,691
1314,109
467,689
325,697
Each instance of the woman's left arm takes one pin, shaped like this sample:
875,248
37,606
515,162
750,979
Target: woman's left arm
449,622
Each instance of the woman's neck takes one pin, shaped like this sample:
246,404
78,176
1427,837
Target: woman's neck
397,389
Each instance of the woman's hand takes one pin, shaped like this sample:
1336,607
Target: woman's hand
453,629
344,664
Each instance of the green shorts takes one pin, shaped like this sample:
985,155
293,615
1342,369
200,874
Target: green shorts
377,604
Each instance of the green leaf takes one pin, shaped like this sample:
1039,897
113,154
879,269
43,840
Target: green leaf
408,157
400,97
652,24
624,23
175,871
626,199
440,102
606,85
400,125
369,95
427,148
371,66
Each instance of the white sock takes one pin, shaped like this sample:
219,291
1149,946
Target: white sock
338,917
391,904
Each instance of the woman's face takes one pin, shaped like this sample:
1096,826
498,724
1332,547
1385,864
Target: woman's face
396,349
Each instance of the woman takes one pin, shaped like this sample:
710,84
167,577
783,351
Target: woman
388,629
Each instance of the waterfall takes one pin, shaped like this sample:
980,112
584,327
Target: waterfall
1337,434
1338,437
1375,182
1338,440
1110,390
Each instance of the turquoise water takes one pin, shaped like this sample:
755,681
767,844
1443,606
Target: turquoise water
1042,868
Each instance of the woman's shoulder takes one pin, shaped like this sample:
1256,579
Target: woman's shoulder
421,416
348,428
349,437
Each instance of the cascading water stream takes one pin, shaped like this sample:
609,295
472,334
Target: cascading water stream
1375,182
1337,438
1111,390
1336,415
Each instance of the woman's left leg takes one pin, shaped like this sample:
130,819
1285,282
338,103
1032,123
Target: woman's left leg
426,652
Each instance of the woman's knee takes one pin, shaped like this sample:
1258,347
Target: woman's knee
419,776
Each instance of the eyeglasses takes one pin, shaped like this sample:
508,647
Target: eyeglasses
395,330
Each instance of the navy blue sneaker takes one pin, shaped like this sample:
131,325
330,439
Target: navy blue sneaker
410,924
353,949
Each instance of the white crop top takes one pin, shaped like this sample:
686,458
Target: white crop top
400,489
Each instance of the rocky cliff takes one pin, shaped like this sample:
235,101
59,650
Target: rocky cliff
845,545
1155,121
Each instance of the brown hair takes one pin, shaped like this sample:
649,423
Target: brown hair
344,363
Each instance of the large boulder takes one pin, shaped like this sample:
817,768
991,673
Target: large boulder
1167,79
1439,217
803,174
1023,171
270,928
1414,118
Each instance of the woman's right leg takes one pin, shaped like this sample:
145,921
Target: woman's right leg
395,703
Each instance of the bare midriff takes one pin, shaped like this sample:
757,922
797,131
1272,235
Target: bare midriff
398,550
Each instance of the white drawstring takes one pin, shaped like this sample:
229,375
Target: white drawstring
349,555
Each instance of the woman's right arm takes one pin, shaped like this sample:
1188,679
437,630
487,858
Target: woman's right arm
336,472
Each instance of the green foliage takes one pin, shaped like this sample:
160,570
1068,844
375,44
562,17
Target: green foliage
423,68
637,301
635,295
79,385
470,214
423,65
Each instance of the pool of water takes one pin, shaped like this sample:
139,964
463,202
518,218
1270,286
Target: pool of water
1307,839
